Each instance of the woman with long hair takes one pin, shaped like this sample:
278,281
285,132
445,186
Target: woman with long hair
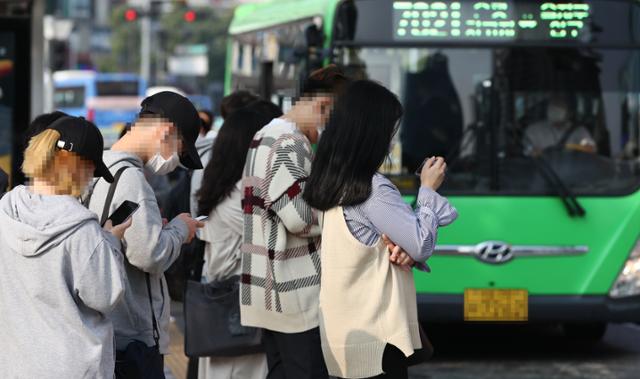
61,273
220,198
368,313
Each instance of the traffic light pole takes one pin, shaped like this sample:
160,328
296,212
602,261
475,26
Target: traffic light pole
145,43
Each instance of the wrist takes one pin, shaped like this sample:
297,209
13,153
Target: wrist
427,185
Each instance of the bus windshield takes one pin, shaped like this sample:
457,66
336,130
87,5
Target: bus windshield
496,110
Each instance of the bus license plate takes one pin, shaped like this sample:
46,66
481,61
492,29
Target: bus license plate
496,305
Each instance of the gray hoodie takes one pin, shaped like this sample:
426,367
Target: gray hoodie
149,247
59,275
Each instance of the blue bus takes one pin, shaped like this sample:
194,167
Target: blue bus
110,100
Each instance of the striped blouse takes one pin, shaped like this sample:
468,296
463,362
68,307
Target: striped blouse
385,212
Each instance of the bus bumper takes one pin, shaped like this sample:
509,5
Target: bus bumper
450,308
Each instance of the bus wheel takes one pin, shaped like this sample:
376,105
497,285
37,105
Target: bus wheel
588,331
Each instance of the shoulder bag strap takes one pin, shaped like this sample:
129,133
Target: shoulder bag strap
156,333
103,219
109,199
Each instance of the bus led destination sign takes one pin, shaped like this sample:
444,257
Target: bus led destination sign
490,20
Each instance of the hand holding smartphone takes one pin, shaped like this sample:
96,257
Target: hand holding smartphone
434,174
124,212
419,170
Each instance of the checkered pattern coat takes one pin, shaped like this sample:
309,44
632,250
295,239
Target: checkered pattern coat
280,281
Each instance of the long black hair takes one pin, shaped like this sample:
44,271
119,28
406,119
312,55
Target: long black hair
353,146
228,156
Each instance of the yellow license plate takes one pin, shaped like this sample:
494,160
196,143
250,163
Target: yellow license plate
496,305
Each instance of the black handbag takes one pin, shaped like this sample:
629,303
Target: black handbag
137,361
423,354
212,321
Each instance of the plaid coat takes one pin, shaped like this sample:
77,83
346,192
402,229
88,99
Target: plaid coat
280,282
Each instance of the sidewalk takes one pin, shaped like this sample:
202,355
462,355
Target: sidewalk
176,362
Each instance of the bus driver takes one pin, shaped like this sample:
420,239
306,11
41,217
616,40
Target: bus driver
559,129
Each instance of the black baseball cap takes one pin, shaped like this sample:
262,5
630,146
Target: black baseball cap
181,112
82,137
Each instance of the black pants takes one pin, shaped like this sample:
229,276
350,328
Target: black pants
295,355
394,364
143,368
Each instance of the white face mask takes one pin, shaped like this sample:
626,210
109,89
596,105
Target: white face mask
556,114
158,165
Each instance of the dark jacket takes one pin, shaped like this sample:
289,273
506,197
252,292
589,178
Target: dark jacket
4,182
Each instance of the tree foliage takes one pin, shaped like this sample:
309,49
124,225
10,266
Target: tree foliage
171,29
209,28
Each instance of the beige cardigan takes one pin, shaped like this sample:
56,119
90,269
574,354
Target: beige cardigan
365,303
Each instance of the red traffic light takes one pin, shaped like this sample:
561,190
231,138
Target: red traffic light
130,15
189,16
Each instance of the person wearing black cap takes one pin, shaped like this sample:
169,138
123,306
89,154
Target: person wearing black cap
162,138
61,273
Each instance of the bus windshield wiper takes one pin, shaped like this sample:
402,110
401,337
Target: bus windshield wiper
568,198
570,201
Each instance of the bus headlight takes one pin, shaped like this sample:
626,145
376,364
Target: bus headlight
628,282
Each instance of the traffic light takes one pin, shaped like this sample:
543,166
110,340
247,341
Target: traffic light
190,16
130,15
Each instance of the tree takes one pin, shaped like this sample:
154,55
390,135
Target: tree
209,28
125,44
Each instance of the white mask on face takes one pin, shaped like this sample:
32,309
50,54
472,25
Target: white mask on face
158,165
556,114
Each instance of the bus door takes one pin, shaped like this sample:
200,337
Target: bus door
14,93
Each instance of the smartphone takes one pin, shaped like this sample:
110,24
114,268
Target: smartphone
202,218
419,170
124,211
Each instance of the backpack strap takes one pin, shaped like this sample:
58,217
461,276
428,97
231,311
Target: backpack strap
109,199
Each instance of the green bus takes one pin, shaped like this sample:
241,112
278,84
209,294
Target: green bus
535,105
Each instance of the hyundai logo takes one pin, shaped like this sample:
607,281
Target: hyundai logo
494,252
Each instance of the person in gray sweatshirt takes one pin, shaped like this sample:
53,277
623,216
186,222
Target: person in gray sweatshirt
158,141
60,272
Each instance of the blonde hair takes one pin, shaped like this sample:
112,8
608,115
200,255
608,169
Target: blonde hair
60,168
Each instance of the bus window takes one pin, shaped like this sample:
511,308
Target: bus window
69,97
500,98
283,45
117,88
490,111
